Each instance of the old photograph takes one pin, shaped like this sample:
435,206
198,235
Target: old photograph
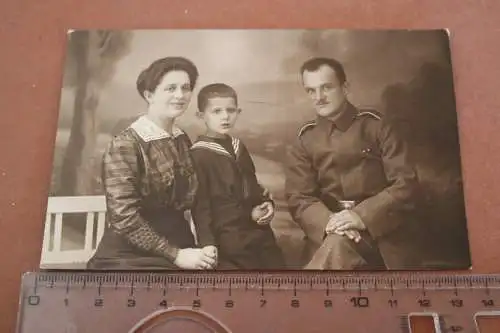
257,150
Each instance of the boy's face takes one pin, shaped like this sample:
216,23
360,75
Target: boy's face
220,115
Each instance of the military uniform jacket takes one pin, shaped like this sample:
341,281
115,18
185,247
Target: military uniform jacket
358,158
227,192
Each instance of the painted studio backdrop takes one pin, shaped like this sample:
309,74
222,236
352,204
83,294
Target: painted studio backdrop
406,75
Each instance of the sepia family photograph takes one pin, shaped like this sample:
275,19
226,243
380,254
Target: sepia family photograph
256,150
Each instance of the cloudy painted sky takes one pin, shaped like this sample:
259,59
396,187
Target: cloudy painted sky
264,64
233,56
242,56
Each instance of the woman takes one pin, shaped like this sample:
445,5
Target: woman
149,180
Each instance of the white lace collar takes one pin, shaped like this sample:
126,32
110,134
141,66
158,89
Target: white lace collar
149,131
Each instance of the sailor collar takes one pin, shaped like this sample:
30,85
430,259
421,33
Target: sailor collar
205,143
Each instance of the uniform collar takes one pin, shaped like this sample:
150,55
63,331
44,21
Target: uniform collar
345,119
149,131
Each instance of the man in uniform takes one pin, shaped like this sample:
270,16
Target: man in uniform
349,181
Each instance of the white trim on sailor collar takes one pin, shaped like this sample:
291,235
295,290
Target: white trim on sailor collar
149,131
214,146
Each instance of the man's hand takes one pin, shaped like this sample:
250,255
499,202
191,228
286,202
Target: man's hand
352,234
346,220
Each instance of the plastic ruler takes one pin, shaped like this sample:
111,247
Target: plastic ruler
305,302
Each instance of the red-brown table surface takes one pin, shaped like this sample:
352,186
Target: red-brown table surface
32,35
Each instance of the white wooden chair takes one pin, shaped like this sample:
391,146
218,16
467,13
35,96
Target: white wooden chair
53,256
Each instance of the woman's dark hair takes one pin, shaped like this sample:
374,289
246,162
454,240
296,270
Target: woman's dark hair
314,64
149,78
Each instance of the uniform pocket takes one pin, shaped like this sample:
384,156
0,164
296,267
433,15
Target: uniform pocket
365,178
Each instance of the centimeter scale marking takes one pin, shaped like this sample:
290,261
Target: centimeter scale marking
257,302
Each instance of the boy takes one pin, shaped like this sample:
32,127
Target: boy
231,211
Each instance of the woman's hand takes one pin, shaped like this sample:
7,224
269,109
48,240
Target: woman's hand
190,258
211,251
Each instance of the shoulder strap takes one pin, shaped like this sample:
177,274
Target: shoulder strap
309,125
370,113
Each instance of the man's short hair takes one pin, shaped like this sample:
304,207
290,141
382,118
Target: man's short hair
314,64
215,90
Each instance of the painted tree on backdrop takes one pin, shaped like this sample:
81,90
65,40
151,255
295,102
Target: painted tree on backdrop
92,56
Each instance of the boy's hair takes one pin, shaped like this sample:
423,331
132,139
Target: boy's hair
215,90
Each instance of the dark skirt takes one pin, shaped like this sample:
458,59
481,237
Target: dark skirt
115,252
